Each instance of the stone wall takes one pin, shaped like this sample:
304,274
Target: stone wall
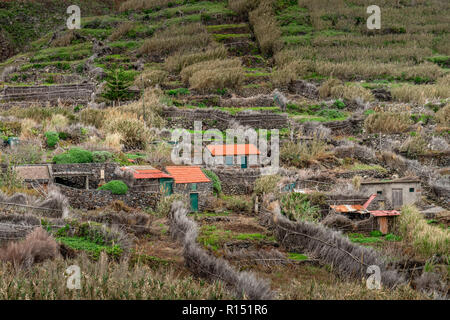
237,181
92,168
204,190
94,199
75,93
221,120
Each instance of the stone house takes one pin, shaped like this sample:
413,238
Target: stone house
149,179
397,192
192,182
241,156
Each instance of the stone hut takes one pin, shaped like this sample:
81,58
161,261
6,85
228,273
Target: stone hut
192,182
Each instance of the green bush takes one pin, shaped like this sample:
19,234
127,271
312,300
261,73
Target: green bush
115,186
299,207
238,204
74,155
52,138
217,186
266,184
101,156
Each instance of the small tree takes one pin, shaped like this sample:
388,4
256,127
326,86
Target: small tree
117,86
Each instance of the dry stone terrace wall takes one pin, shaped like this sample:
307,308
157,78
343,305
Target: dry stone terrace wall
237,181
217,119
94,199
74,93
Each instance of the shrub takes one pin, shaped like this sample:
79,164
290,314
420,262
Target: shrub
304,153
242,6
297,207
37,247
29,129
24,153
217,186
133,131
58,122
165,204
387,122
266,184
414,146
101,156
113,141
52,138
426,239
143,4
290,72
115,186
74,155
238,204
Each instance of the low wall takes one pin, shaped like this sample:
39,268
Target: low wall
94,199
237,181
221,120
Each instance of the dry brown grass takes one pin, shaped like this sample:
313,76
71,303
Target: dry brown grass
121,31
189,71
150,78
334,88
266,28
421,94
65,39
214,74
179,61
37,247
242,6
426,239
443,116
111,280
176,39
92,117
387,122
290,72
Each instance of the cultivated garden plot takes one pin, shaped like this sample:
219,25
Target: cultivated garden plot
226,149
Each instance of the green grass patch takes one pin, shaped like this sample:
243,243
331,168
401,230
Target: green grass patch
94,249
297,256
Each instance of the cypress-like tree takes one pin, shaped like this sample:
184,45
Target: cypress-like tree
117,86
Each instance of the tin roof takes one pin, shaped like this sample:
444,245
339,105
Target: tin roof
146,172
187,174
233,149
384,213
349,208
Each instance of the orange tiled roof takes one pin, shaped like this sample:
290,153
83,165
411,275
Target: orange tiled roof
233,149
187,174
146,172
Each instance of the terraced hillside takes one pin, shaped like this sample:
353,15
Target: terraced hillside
350,104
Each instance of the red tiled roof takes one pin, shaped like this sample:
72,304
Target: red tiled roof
233,149
384,213
187,174
147,173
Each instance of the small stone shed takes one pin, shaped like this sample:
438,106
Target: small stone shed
149,179
191,181
397,192
234,155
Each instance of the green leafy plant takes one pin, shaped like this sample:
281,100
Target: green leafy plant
52,138
74,155
115,186
217,186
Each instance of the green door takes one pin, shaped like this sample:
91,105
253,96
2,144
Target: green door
194,202
166,186
244,162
